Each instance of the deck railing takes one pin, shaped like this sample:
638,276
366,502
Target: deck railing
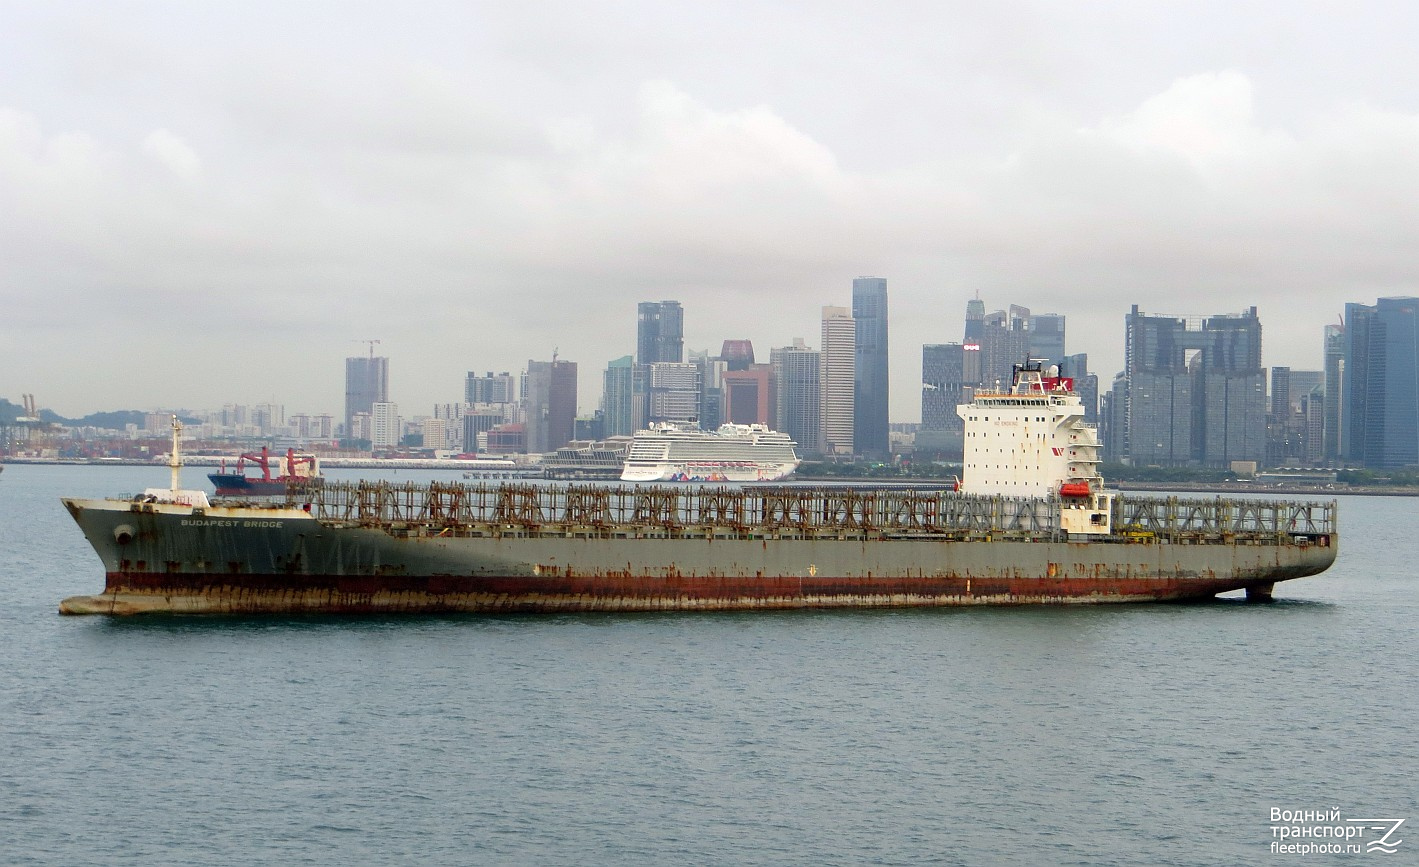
791,511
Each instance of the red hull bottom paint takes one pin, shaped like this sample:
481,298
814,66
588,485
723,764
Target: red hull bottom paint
277,594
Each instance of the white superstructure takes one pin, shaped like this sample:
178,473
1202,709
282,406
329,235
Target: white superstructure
1032,442
735,453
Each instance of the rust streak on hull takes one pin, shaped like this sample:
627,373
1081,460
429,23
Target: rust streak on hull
369,549
273,594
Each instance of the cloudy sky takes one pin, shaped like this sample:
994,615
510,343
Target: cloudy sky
208,203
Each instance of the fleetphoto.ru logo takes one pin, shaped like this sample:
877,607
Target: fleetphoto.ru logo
1325,832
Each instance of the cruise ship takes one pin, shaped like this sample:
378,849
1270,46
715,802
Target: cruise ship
667,452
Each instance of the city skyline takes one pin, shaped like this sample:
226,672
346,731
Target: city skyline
1196,392
238,224
590,397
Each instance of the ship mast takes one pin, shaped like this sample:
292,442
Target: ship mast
175,459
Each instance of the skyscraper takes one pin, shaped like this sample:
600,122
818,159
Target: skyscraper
737,354
617,398
1380,413
1086,384
797,403
1196,390
1356,379
749,395
748,387
975,321
1281,444
551,404
660,332
1280,392
835,375
1113,419
1296,406
943,388
1047,338
1004,343
1334,349
869,313
711,373
1233,392
1303,382
366,383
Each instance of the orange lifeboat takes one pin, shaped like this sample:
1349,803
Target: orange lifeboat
1074,489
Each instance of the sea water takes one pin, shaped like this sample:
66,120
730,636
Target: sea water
1159,734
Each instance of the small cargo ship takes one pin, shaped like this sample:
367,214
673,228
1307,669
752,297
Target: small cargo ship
296,468
1031,524
668,452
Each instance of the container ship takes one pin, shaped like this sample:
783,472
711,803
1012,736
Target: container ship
668,452
1031,524
303,468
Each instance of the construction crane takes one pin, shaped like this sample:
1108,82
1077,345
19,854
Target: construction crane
371,343
31,415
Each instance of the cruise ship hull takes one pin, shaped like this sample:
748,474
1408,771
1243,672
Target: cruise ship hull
161,558
681,472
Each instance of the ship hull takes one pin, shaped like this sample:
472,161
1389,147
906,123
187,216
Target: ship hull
238,485
167,559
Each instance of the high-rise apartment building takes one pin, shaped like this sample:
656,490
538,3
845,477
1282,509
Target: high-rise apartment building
869,313
1196,390
1380,383
451,414
490,388
385,425
312,427
797,405
551,404
660,332
673,392
837,380
618,398
268,417
360,427
366,383
438,433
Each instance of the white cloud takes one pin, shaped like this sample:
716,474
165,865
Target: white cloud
474,201
1201,119
173,153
